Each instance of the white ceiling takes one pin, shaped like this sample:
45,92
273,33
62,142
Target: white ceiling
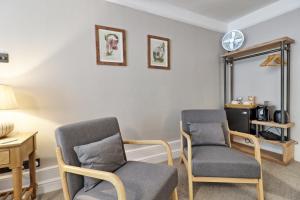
222,10
217,15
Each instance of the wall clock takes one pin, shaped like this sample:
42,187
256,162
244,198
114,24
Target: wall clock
233,40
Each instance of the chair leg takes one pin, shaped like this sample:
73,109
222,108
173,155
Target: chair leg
260,190
180,159
175,195
191,191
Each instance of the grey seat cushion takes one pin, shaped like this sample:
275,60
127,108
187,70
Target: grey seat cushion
142,181
105,155
222,161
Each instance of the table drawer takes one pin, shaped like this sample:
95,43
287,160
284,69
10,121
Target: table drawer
4,157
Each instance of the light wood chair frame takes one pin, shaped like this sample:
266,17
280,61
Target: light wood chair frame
107,176
188,164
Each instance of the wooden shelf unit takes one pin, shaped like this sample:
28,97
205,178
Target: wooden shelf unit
285,158
281,45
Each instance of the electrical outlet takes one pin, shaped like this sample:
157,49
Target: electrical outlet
4,57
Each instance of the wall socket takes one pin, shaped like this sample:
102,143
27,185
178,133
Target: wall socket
4,57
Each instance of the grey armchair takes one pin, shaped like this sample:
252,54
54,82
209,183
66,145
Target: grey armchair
132,181
218,163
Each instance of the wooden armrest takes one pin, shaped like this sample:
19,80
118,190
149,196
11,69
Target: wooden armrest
189,143
154,142
187,137
102,175
253,139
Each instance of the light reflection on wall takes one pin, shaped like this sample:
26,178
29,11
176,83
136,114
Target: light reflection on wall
26,122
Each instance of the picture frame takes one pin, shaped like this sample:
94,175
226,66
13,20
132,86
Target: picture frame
110,46
158,52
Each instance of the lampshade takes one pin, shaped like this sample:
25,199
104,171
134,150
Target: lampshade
7,98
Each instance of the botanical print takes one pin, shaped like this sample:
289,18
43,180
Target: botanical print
158,52
110,46
112,41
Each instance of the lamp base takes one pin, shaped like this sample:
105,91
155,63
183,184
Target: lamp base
5,129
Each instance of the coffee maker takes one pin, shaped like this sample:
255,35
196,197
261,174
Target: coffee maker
263,112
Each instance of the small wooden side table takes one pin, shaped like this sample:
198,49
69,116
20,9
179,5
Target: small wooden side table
14,149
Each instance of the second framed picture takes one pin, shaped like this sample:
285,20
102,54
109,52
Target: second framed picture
158,52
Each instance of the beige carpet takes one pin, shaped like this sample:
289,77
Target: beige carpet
280,183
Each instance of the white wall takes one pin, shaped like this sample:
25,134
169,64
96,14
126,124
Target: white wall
53,69
250,79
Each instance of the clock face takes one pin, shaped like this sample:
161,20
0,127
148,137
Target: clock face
233,40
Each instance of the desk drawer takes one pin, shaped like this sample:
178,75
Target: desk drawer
4,157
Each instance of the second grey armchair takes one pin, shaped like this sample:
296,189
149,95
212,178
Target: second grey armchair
132,181
213,159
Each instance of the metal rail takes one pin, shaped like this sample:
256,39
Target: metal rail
257,54
288,84
282,89
225,81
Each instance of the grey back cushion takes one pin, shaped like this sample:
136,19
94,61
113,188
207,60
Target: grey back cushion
205,116
207,134
106,155
69,136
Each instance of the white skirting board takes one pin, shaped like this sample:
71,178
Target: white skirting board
48,177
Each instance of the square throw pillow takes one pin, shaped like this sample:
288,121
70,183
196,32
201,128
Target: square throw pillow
207,134
105,155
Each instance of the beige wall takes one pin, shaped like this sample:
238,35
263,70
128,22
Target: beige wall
53,68
250,79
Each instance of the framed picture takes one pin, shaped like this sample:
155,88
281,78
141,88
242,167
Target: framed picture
158,52
110,46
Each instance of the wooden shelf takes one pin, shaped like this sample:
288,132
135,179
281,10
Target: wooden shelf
284,159
275,157
275,142
259,48
273,124
241,106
